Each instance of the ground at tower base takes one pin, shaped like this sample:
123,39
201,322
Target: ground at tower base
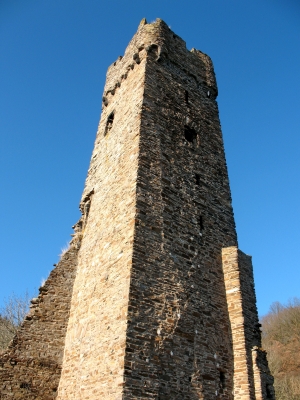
153,299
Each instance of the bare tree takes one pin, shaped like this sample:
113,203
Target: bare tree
281,339
11,316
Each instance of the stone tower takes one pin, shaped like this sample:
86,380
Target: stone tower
163,303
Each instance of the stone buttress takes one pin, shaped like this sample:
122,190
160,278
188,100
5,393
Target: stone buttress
163,304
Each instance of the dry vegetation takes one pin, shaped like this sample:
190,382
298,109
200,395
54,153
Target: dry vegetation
281,339
11,317
280,334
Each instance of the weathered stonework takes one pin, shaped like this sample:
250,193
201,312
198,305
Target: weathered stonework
31,366
163,302
253,380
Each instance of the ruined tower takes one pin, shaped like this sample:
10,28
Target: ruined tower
163,303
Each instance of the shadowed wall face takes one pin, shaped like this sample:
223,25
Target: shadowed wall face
163,303
178,337
148,315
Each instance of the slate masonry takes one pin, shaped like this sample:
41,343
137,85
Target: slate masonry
153,299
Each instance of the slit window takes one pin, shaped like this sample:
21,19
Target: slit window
201,223
109,123
197,177
186,96
222,379
190,134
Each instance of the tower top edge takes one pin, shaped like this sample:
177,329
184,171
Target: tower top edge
170,49
153,27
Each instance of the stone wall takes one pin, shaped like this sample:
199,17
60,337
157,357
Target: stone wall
163,303
30,368
93,364
178,337
252,379
148,316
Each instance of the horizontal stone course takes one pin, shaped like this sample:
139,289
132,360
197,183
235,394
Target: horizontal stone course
153,300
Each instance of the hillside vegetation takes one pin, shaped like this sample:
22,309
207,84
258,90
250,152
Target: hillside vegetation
281,339
11,317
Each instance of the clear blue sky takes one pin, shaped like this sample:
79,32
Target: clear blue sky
53,61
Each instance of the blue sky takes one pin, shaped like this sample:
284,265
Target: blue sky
53,60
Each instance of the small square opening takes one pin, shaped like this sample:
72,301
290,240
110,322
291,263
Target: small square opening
190,134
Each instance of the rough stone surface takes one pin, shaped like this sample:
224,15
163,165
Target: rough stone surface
163,303
31,367
253,380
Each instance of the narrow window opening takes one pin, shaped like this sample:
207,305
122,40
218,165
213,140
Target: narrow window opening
190,379
201,223
222,379
190,134
109,123
197,176
186,96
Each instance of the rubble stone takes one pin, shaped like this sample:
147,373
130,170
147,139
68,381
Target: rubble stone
163,303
